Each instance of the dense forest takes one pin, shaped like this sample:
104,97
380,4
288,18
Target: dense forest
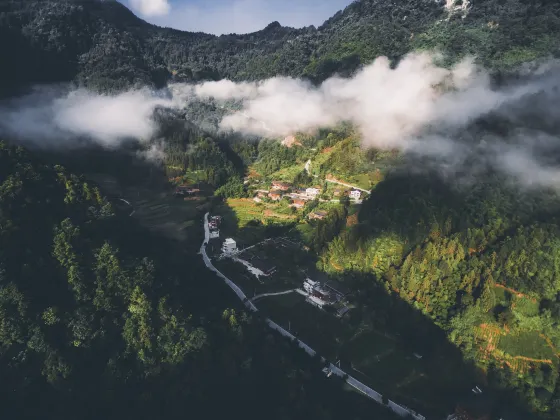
102,45
480,260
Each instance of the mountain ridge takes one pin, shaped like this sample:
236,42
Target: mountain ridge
105,47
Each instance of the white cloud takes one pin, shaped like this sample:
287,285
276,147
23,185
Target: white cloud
418,107
151,8
48,117
390,106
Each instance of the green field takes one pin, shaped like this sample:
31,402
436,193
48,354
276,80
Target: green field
287,174
527,344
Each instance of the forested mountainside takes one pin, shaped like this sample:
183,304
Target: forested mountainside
102,45
480,258
101,319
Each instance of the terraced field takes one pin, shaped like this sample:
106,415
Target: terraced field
157,210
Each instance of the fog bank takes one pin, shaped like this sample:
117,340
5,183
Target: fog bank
418,107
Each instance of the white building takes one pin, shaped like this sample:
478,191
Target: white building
355,194
318,295
214,234
309,285
313,192
229,247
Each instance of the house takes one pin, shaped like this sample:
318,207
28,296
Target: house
355,194
298,203
275,196
309,284
337,288
280,186
260,195
229,246
318,294
318,214
312,191
214,234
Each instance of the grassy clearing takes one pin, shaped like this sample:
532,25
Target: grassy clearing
246,211
527,344
289,173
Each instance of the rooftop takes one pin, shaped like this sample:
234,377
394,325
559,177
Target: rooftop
338,287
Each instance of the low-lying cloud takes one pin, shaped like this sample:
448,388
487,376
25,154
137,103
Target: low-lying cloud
52,117
418,107
389,106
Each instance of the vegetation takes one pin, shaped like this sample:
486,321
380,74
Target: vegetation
100,317
102,45
482,268
97,312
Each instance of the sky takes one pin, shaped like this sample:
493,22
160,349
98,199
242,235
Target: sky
234,16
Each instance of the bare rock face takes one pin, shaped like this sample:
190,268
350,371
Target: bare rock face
290,141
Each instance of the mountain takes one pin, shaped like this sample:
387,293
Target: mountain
102,45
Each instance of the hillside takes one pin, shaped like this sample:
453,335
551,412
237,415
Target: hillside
101,318
479,259
102,45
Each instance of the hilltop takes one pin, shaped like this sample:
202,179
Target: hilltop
104,46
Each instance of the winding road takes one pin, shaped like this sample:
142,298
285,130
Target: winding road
374,395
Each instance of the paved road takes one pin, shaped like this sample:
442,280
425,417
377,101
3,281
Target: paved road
398,409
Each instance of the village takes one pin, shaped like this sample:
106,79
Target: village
299,197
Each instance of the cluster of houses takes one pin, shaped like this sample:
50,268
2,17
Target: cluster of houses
281,189
214,226
298,196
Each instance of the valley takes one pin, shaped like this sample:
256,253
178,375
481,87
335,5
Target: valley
353,221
